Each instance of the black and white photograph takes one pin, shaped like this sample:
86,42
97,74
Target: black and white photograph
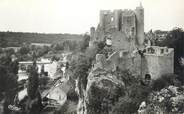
91,56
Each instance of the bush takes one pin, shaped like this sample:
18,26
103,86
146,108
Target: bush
164,81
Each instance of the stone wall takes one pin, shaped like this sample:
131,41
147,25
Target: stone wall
158,63
121,42
155,64
125,29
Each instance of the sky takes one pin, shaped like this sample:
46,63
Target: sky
77,16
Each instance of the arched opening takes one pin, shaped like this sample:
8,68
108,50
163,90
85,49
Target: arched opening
147,77
147,80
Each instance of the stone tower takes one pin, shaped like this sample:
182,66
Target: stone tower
139,11
117,19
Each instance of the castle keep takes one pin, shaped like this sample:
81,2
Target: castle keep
123,32
124,27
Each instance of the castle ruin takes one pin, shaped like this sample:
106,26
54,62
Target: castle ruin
123,31
124,27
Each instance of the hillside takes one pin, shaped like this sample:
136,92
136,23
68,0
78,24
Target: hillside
15,38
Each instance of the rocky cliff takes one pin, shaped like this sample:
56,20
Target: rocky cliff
102,93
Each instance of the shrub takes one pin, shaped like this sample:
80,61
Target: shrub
164,81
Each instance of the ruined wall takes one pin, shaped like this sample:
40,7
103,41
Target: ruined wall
129,23
124,60
121,42
166,63
150,66
107,20
158,63
125,26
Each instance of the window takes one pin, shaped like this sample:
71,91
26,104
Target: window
112,19
162,51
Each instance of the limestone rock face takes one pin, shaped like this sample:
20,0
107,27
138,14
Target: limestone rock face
102,93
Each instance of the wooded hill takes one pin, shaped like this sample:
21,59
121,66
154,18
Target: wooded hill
17,38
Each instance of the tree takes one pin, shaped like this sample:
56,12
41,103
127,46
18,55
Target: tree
32,82
175,39
5,60
14,67
79,67
101,45
34,97
10,51
58,46
81,71
85,42
3,42
8,84
24,50
42,69
164,81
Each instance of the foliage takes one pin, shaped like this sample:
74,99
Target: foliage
8,80
100,46
11,66
9,51
5,60
24,50
14,67
168,100
41,51
175,40
33,105
129,104
81,71
164,81
125,106
28,52
66,45
3,41
102,99
43,81
85,42
126,77
32,82
18,38
54,58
